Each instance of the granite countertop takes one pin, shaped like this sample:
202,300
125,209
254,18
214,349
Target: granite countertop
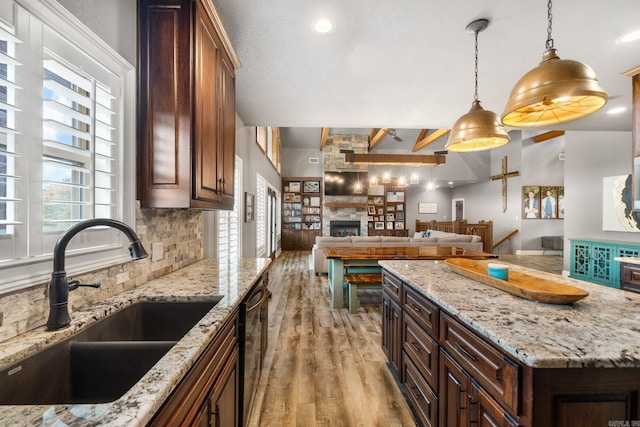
200,281
601,330
628,259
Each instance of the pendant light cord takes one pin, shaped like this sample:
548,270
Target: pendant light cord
475,95
549,23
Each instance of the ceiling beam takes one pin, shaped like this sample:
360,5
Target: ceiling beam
395,159
372,133
548,135
429,139
377,138
324,135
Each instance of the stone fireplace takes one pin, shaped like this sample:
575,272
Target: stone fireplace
343,209
344,228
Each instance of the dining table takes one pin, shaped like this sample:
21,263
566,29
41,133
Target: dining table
365,258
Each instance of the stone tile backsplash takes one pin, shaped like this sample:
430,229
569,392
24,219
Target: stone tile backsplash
172,237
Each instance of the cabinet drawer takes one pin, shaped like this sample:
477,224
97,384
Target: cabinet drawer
423,351
420,396
422,311
495,372
392,285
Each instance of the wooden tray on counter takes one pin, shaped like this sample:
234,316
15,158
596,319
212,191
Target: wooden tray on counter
520,284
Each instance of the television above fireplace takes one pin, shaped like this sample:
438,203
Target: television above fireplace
343,183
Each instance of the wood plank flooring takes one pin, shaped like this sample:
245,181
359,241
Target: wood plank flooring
323,367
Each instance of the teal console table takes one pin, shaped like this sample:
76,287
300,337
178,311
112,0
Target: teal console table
593,260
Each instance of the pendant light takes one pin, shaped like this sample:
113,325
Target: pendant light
479,129
556,91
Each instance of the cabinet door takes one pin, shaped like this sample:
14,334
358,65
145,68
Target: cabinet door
392,332
164,103
225,397
485,411
454,393
580,259
227,135
602,264
206,176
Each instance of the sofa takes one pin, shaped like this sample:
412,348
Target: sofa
435,238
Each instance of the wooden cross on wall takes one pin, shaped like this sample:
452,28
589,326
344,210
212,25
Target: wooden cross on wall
504,177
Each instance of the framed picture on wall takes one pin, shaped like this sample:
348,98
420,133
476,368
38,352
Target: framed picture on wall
427,208
379,225
549,202
530,202
389,225
248,207
312,186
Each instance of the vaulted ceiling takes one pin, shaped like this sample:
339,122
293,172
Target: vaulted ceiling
409,65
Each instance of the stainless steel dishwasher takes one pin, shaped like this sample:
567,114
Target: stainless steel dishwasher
254,327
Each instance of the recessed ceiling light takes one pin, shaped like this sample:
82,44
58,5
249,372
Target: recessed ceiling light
324,26
629,37
616,110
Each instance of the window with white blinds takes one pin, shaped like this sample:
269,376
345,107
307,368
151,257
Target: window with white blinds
228,224
78,162
9,68
63,96
261,216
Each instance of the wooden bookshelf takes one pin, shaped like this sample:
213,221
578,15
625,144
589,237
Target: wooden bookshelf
301,211
386,210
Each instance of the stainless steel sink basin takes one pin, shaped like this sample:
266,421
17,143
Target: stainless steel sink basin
102,362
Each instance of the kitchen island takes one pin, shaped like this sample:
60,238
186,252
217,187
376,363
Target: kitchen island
203,280
466,352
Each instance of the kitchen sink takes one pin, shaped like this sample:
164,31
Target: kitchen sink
100,363
149,321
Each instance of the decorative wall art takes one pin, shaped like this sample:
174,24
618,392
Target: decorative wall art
427,208
617,203
530,202
542,202
248,207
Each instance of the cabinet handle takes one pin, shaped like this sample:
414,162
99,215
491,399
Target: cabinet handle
216,414
415,308
415,348
416,392
465,352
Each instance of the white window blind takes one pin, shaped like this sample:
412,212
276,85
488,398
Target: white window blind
78,147
228,223
261,216
63,96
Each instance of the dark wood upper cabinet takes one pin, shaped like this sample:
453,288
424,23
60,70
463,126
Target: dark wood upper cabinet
185,106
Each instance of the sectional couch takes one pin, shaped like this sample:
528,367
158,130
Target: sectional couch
436,238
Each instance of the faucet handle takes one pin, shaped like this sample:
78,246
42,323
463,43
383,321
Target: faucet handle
75,284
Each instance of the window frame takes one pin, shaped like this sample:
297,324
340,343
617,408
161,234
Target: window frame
21,273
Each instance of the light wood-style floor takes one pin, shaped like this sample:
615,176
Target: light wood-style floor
325,367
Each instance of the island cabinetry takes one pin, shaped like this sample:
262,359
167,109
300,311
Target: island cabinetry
630,277
210,390
185,106
392,332
495,372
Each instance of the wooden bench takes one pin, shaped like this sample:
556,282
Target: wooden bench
357,281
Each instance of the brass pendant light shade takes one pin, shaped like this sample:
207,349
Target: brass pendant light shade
479,129
556,91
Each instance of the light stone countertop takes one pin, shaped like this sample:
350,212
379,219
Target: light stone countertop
200,281
628,259
601,330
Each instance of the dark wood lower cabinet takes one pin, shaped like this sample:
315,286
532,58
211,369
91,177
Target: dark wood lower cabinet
454,393
392,332
454,377
630,277
213,380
